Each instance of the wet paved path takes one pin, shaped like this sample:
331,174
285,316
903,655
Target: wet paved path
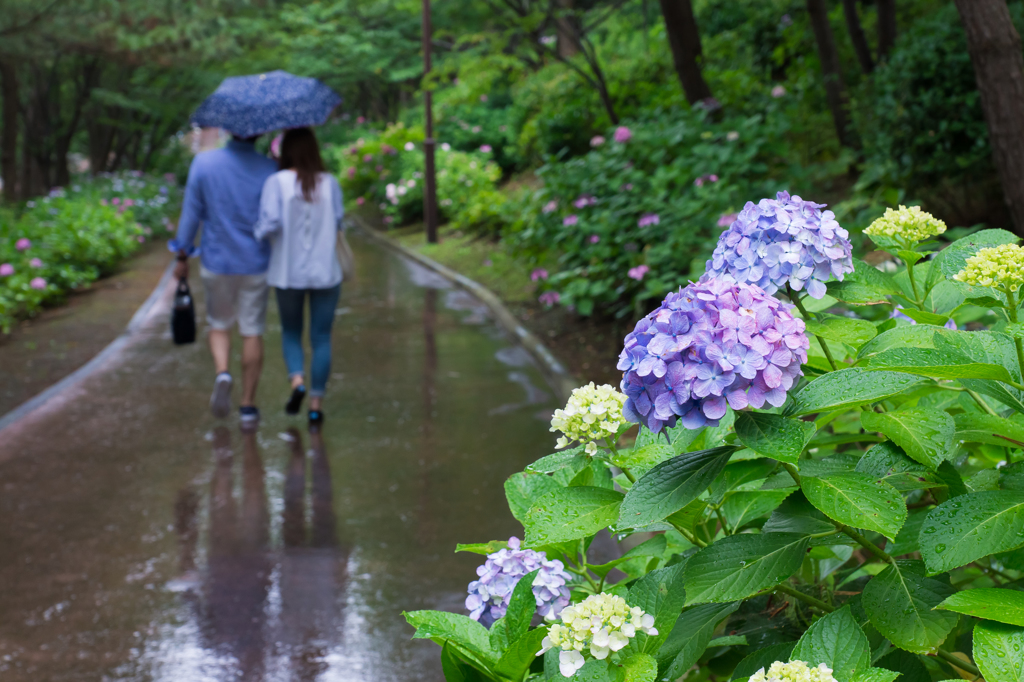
141,540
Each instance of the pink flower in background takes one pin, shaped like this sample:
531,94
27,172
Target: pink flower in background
360,120
549,298
778,91
570,220
727,219
483,98
379,167
638,272
627,187
594,239
584,201
129,202
38,283
367,158
699,182
352,172
388,149
623,134
648,219
103,202
360,201
550,206
116,201
275,146
596,141
485,148
142,240
23,244
539,273
713,178
353,150
36,263
388,220
6,270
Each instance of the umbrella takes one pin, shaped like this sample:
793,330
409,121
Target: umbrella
247,106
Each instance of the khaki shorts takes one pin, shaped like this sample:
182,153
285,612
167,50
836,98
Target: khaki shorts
231,298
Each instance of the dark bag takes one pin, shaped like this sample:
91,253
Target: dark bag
183,316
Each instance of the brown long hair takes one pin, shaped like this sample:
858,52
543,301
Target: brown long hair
300,152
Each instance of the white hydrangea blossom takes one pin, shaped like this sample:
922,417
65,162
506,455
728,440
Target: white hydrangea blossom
599,625
794,671
593,413
911,224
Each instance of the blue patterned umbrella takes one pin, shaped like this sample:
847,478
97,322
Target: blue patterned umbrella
252,105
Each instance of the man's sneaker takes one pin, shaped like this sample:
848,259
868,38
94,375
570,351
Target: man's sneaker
316,417
295,401
220,400
249,416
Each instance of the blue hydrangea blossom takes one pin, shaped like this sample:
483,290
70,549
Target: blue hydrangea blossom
713,344
783,241
489,596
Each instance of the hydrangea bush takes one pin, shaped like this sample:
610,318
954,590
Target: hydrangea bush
842,508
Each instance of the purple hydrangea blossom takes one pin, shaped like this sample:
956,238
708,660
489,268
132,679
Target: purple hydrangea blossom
489,596
712,345
783,241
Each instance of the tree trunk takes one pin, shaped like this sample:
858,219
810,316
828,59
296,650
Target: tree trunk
835,88
886,27
567,46
9,132
995,49
860,43
684,39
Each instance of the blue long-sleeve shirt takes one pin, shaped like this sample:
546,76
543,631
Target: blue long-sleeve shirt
223,193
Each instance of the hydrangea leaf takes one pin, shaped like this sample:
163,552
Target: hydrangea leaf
693,631
1012,477
573,458
908,665
900,336
522,490
797,515
850,330
642,459
740,566
925,435
908,539
462,631
857,500
742,507
851,387
972,427
876,675
990,603
483,547
661,594
837,641
570,514
649,548
671,485
999,651
521,607
596,671
900,602
953,258
774,436
866,285
746,474
640,668
455,669
521,654
762,658
972,526
888,463
929,362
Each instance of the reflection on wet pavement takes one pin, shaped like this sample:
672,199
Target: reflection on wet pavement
142,541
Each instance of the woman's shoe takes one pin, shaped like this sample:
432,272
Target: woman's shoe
295,401
316,417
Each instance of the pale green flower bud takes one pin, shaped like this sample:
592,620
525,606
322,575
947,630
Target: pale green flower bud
997,266
908,224
592,414
794,671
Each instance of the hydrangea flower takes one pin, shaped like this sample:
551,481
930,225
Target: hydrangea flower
550,207
997,266
360,201
783,241
38,283
584,200
489,596
409,146
596,141
539,273
36,263
907,225
727,219
485,148
794,671
6,270
623,134
570,220
593,413
550,298
648,219
638,272
714,344
778,91
594,239
23,244
599,625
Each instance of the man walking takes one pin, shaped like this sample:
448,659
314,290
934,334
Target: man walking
223,193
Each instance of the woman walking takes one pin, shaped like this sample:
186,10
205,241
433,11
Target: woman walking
301,215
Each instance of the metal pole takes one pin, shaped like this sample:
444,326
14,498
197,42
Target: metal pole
429,178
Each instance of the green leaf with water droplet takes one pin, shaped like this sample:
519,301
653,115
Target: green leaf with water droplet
661,594
837,641
642,459
797,515
524,488
987,428
929,362
900,336
671,485
888,463
654,547
970,527
574,459
483,547
850,330
467,635
762,658
740,566
570,514
690,636
999,651
876,675
640,668
521,654
597,671
773,435
742,507
990,603
899,602
456,669
857,500
866,285
851,387
925,435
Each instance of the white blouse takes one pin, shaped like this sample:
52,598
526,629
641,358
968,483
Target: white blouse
303,234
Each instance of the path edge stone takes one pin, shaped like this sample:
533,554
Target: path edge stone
139,319
557,376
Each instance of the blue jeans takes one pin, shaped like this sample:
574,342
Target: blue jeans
322,302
